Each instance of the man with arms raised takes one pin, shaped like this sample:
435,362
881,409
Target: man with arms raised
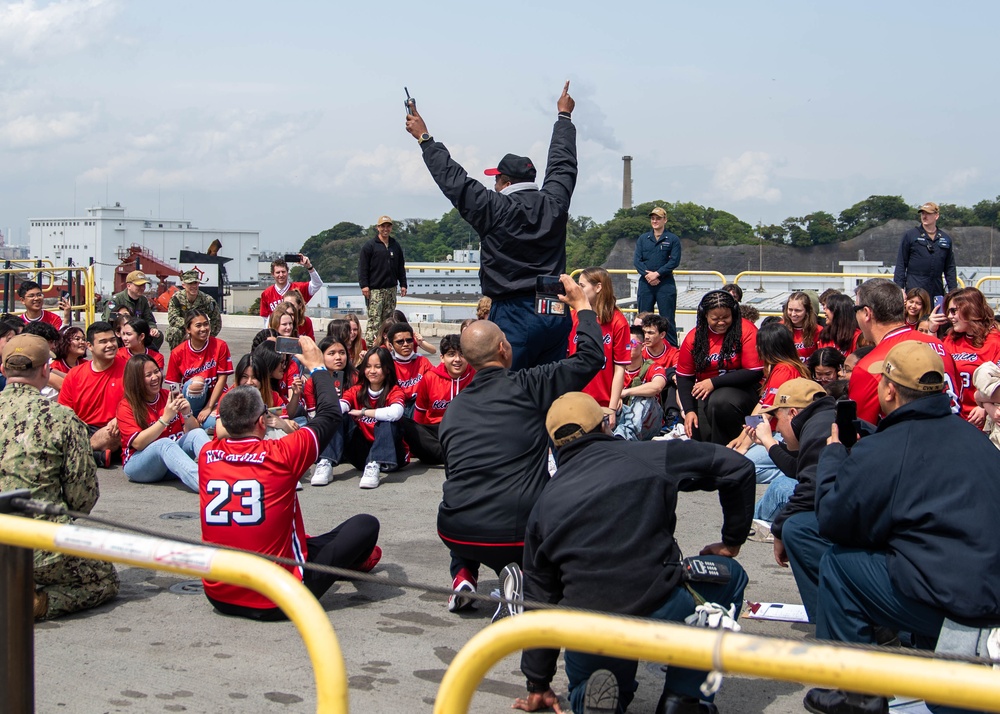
274,294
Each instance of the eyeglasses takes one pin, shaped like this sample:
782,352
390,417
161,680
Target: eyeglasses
33,296
634,343
952,310
403,341
858,308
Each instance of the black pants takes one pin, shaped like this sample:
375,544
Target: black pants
720,417
346,546
423,441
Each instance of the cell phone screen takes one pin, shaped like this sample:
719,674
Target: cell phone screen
753,420
549,285
287,346
847,412
292,257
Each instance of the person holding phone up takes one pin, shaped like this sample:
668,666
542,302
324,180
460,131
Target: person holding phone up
272,296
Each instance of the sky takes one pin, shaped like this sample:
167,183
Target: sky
288,118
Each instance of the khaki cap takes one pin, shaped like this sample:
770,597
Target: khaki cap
929,207
912,364
658,212
26,351
137,277
574,409
796,393
383,219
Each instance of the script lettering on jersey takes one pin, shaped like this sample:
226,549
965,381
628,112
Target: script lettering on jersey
213,455
188,373
440,403
965,357
404,383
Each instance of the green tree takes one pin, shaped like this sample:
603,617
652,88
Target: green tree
873,211
822,228
952,215
773,233
988,212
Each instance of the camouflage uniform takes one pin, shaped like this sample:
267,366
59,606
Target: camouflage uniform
140,308
45,448
381,303
178,308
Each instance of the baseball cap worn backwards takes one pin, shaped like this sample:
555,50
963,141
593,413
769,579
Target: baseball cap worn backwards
796,393
517,167
137,277
25,352
914,365
573,409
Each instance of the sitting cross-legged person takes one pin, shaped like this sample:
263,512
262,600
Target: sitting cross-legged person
641,416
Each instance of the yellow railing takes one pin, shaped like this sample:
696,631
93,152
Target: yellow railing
986,279
89,295
689,273
797,274
958,684
243,569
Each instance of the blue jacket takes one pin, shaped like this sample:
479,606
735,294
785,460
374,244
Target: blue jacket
921,262
924,490
663,255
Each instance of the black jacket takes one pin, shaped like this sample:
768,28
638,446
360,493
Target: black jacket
924,490
381,266
812,428
495,444
523,234
921,262
602,533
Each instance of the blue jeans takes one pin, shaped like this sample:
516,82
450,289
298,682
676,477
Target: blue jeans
774,498
197,403
763,466
349,443
805,548
639,419
680,604
165,455
535,339
664,296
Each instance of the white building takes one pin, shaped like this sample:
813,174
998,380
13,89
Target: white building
459,275
105,231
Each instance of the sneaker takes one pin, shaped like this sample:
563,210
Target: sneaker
464,583
601,694
370,478
372,561
837,701
512,588
298,485
323,473
761,532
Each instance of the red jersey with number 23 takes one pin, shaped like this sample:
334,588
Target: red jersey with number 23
246,489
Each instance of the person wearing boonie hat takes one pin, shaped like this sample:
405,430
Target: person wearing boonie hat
381,267
44,448
910,514
183,301
601,536
134,298
925,253
522,230
657,255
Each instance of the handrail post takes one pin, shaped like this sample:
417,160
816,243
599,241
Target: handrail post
8,285
17,634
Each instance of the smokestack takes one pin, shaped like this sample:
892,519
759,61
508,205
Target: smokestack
627,183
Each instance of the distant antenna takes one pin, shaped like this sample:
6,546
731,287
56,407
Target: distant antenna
861,254
627,183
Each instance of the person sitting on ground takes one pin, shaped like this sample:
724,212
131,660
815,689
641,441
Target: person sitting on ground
200,365
905,527
595,564
133,298
436,390
800,318
851,361
356,345
44,448
51,336
135,339
606,387
268,369
658,350
824,365
735,290
33,298
718,370
641,416
304,326
248,499
283,320
410,367
70,350
160,434
336,358
918,306
400,316
491,484
824,298
94,389
749,313
841,331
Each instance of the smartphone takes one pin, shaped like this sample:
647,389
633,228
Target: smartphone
338,381
293,258
753,420
549,285
275,410
174,388
938,301
847,413
287,346
409,102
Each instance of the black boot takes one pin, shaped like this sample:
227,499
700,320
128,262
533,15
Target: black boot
673,703
837,701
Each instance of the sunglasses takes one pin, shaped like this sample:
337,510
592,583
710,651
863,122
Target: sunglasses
403,341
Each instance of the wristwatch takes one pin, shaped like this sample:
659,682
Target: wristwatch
424,137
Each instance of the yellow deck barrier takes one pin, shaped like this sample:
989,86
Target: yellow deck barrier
226,566
87,306
958,684
795,274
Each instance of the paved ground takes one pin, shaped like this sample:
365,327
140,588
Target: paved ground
153,649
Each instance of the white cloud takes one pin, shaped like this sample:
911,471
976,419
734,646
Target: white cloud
747,177
33,130
955,181
33,32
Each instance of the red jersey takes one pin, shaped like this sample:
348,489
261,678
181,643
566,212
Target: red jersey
271,297
798,336
129,425
655,370
124,354
93,395
666,359
309,391
209,362
746,358
830,343
863,387
49,318
780,374
60,365
616,352
409,373
435,392
306,328
351,400
967,358
247,492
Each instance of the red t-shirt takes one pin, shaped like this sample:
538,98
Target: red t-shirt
967,358
129,426
94,396
309,390
616,337
655,370
270,298
435,392
247,492
124,354
830,343
780,374
746,358
49,318
798,336
209,362
409,374
367,424
863,387
61,366
306,328
666,359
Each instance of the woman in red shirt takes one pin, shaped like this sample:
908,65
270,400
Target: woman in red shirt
357,345
918,306
135,338
606,386
718,370
70,349
303,325
972,340
841,331
200,365
800,318
160,433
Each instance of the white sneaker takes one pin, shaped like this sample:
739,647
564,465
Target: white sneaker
323,473
370,478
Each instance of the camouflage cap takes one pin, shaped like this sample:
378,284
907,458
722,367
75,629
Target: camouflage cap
25,352
190,276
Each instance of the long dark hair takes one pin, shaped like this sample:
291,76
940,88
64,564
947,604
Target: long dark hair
388,369
263,361
841,324
66,339
141,328
350,371
134,384
731,342
776,346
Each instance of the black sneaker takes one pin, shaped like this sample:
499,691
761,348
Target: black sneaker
601,694
673,703
102,458
511,588
837,701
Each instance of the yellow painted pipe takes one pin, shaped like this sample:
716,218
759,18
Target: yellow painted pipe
954,683
799,274
270,580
